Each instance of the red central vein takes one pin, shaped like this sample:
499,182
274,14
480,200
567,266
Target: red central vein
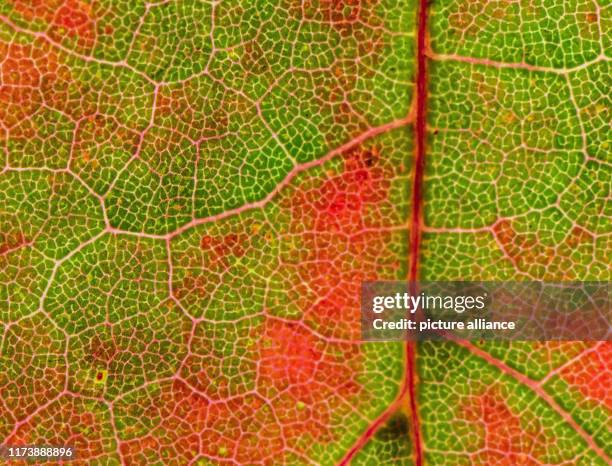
414,417
409,386
420,137
417,216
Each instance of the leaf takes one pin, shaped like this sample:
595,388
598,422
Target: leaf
193,192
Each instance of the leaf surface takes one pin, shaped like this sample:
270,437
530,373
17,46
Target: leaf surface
192,193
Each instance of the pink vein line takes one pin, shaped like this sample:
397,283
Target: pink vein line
374,426
519,66
370,133
537,388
